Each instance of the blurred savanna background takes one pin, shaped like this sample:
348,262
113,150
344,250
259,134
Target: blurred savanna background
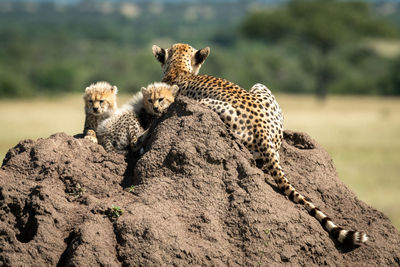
333,65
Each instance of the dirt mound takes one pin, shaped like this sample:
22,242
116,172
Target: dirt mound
197,199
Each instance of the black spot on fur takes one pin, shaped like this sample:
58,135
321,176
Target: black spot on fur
286,187
291,196
259,163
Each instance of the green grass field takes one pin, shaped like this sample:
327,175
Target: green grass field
362,134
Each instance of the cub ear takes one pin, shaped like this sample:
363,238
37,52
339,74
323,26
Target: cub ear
143,90
159,53
201,55
114,89
175,89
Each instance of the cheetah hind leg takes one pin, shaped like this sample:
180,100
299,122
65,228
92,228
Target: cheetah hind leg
267,100
261,89
347,237
271,108
264,95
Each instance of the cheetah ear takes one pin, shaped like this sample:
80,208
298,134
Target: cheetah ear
114,89
159,54
175,89
201,55
143,90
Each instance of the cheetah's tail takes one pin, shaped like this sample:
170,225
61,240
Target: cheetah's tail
346,237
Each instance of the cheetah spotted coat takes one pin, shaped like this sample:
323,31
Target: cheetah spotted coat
254,116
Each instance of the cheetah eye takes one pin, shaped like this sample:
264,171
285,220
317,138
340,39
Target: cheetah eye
160,99
91,101
101,101
150,101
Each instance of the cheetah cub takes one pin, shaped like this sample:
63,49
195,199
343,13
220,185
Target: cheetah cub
121,131
100,103
157,97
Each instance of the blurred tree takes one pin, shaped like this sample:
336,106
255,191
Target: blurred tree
323,24
391,83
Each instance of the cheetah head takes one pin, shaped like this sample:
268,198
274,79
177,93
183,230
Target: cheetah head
100,98
181,56
157,97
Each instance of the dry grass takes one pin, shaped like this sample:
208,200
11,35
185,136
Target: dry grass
360,133
362,136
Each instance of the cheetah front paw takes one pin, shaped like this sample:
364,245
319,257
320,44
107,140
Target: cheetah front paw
91,138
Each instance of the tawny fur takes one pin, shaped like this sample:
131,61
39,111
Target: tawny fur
157,97
100,103
121,131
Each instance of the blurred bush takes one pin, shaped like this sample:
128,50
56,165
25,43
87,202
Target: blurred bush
304,46
332,30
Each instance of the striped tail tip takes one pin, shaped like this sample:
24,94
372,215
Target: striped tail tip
360,238
350,238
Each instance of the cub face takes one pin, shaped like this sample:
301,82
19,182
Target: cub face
99,98
190,58
157,97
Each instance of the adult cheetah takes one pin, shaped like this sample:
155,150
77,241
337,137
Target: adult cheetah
254,116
